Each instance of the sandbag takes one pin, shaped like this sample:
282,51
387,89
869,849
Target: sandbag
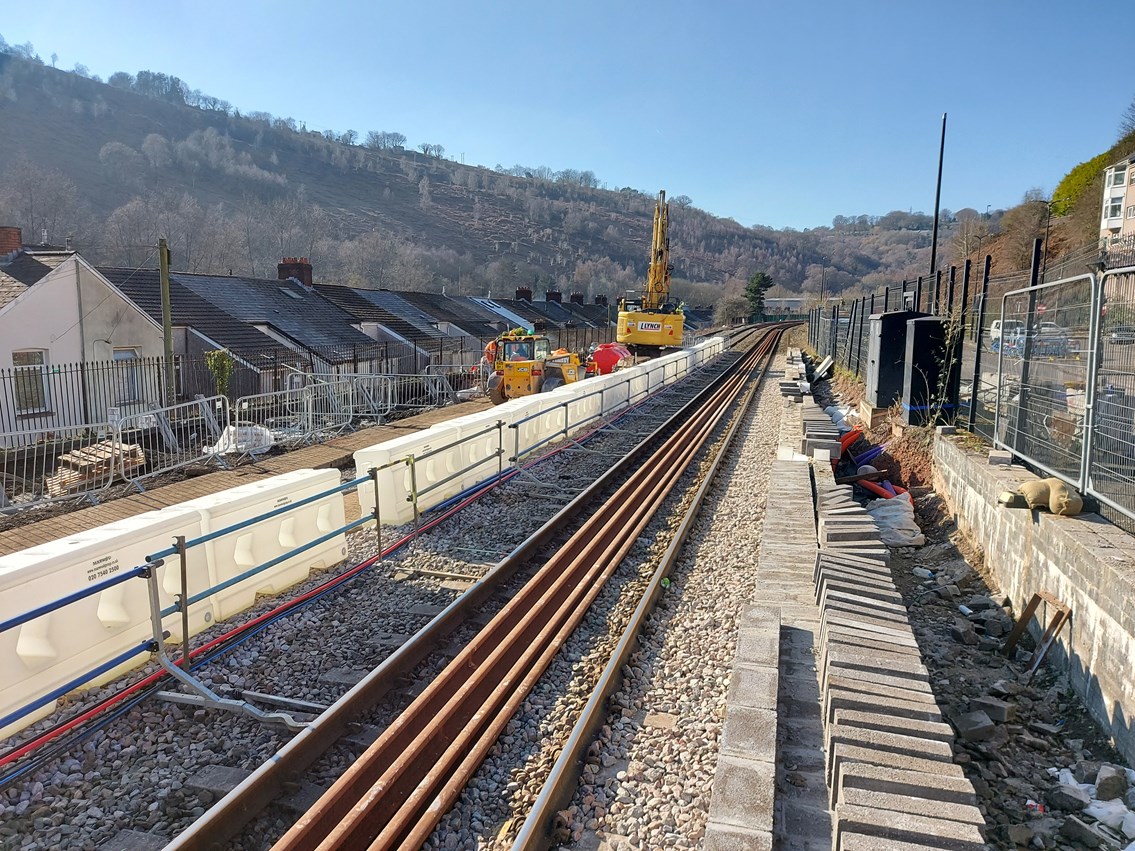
1036,493
1062,499
895,519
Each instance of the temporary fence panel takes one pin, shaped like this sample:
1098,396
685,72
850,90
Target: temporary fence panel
413,392
330,408
283,413
171,437
53,649
372,396
240,551
461,377
1111,449
1044,354
39,466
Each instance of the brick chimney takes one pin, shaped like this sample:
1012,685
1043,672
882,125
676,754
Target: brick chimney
295,267
577,298
554,295
601,300
524,294
10,240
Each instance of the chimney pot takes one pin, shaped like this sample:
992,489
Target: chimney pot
577,298
524,294
292,267
554,295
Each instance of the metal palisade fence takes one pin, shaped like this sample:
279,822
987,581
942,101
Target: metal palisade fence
1048,366
74,431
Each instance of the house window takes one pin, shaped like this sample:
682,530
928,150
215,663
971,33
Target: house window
1115,208
126,370
1131,212
30,380
1119,176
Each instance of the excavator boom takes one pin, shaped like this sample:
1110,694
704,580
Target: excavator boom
652,323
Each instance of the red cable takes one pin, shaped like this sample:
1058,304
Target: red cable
56,732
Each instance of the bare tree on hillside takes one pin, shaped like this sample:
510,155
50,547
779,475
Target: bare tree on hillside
1127,121
38,199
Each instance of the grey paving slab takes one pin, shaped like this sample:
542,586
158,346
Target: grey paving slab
841,699
877,742
877,778
886,723
908,827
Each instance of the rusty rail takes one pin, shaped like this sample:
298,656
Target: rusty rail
396,792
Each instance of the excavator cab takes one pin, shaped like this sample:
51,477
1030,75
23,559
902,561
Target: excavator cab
525,364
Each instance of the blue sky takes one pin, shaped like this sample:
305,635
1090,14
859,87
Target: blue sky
782,114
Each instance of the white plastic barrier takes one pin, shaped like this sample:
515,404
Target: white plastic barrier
54,649
238,552
584,404
616,391
480,439
397,483
536,421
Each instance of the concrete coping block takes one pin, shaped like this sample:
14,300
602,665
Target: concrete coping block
852,841
851,573
759,646
862,592
896,781
725,837
877,741
902,666
884,649
946,430
840,754
755,616
845,600
822,455
750,733
753,685
865,549
1000,458
743,791
862,701
851,634
906,827
884,723
867,627
862,612
860,533
826,574
874,679
852,560
912,804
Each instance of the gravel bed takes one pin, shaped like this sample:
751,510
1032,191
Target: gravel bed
647,777
133,773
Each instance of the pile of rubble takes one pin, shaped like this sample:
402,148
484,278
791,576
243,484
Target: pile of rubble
1045,775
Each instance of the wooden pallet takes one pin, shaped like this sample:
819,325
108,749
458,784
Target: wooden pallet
100,463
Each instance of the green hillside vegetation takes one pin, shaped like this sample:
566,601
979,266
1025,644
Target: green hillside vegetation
114,165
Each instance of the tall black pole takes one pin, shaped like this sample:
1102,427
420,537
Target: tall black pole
937,199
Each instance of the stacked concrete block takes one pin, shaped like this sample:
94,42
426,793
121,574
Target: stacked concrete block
819,431
890,770
744,788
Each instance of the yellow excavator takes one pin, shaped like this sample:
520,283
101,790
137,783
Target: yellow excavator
653,322
524,364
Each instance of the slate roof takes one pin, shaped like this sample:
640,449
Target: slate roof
25,269
467,315
302,315
374,306
597,314
526,311
143,287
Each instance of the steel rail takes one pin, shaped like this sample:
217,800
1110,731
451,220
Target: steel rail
227,817
395,794
536,831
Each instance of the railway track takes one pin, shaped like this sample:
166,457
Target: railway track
135,767
394,795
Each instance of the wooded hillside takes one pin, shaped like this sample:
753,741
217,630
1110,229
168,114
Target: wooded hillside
114,165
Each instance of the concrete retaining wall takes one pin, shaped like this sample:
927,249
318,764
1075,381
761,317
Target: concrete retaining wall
1084,561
